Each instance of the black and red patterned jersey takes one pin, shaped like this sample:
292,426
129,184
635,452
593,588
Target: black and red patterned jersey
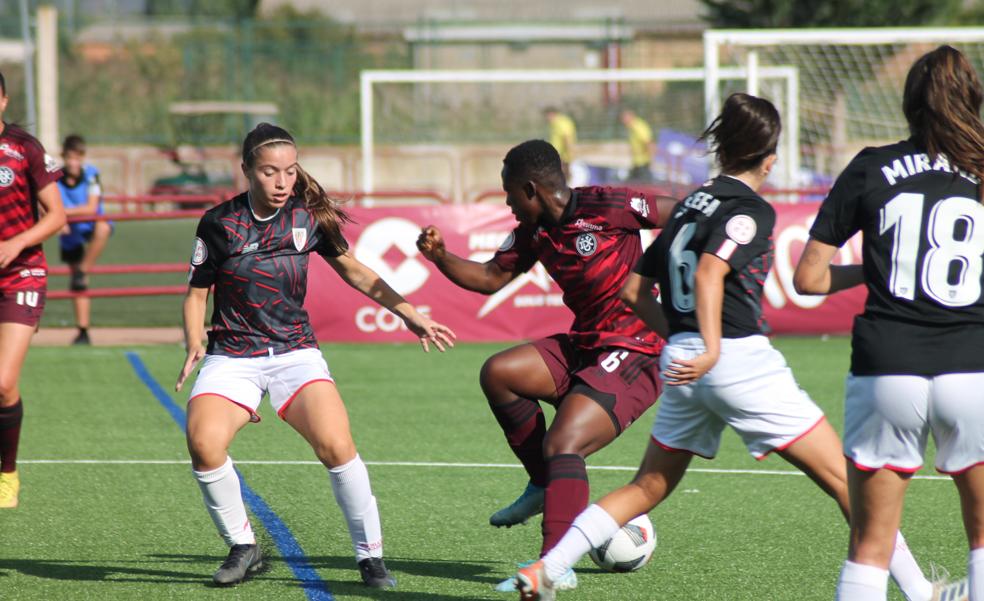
259,270
923,255
726,218
24,171
589,253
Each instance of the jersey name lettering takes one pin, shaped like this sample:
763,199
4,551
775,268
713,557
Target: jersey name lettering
912,164
703,202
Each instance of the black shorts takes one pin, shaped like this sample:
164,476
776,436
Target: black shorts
75,254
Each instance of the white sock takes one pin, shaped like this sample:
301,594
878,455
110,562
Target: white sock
590,529
224,501
975,569
907,573
859,582
350,482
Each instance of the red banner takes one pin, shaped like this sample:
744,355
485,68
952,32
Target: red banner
530,306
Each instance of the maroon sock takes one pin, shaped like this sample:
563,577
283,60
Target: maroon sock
567,496
525,427
10,425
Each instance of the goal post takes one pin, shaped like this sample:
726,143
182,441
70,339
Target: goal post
782,79
850,79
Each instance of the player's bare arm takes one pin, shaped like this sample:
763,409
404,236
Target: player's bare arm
368,282
815,275
637,293
664,209
485,278
709,289
50,223
193,313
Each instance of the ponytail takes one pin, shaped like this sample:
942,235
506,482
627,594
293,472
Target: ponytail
942,103
325,209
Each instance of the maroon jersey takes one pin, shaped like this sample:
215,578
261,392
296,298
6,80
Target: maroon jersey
24,170
259,270
589,254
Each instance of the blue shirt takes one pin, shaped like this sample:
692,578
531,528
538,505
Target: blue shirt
77,196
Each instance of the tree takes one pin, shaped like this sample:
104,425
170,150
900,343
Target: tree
828,13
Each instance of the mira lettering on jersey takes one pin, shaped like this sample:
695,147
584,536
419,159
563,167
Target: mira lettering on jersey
912,164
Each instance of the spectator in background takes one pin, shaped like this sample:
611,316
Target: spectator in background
641,147
83,242
563,136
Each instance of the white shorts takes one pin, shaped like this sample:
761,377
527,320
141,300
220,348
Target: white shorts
750,389
887,420
243,380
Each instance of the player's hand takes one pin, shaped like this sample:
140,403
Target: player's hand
194,356
688,371
431,243
429,331
9,250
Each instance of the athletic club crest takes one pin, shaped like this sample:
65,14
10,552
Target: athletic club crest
6,176
586,244
300,237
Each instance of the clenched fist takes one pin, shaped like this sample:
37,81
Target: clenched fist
431,243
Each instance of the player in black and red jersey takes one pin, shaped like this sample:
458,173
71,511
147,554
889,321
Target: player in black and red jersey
30,212
601,375
711,261
917,362
254,250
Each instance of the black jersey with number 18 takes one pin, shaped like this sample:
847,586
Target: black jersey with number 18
923,253
725,218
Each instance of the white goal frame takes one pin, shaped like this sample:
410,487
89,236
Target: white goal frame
787,75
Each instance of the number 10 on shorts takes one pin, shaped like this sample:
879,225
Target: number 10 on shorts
28,298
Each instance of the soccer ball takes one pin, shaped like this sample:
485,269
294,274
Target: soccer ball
629,549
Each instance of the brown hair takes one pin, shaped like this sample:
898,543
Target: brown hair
73,143
942,103
744,133
324,208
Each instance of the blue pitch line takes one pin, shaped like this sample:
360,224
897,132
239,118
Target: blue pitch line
290,550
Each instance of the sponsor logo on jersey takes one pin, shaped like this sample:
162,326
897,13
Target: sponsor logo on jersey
584,225
251,247
586,244
640,205
508,242
6,176
7,150
200,253
741,229
300,237
36,272
50,164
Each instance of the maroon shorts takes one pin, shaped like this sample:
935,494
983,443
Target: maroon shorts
22,306
624,382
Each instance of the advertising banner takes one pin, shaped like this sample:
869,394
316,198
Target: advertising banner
530,306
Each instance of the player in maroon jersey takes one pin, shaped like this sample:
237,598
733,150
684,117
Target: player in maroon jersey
601,375
254,250
30,212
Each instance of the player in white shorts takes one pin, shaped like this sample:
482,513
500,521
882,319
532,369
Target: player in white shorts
254,250
711,261
917,363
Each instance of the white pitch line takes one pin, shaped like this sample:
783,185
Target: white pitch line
610,468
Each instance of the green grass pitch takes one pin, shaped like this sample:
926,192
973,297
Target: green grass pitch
121,527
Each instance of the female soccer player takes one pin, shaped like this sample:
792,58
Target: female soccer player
81,243
917,364
254,249
601,375
27,180
711,261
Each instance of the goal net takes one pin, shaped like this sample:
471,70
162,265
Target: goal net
850,82
480,113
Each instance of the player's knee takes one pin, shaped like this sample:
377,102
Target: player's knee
564,443
207,450
336,452
494,377
9,392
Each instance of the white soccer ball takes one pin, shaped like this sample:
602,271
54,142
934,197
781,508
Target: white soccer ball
629,549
